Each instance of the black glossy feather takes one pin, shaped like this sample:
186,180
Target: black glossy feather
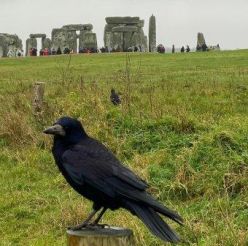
114,97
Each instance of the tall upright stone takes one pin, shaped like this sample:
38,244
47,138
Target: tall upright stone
30,43
201,43
152,34
63,38
3,46
87,40
9,44
46,43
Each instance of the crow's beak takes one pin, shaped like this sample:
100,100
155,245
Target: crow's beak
55,130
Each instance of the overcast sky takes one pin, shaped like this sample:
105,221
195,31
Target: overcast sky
178,21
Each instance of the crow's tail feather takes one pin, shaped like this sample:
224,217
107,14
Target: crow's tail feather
167,212
153,221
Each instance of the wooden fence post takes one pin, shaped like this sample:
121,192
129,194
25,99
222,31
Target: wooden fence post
112,236
39,89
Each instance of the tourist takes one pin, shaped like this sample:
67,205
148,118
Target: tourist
161,49
204,47
173,48
187,49
18,53
34,52
66,50
41,52
46,52
59,52
130,49
53,51
11,53
103,50
182,49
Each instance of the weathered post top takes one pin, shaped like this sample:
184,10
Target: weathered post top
112,236
39,88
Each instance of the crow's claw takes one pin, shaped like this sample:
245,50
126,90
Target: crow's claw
99,225
77,227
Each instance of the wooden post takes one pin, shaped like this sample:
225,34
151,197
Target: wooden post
108,236
39,88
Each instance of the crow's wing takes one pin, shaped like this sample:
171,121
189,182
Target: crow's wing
95,165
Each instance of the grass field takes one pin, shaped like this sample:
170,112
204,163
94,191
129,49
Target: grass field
182,125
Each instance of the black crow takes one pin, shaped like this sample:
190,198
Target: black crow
94,172
114,97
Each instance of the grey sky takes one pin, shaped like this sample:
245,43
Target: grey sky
178,21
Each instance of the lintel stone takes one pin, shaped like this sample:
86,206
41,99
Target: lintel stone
122,20
38,35
125,29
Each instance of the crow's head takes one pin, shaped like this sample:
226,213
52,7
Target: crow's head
68,128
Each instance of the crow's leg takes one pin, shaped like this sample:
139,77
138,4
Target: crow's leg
86,222
96,221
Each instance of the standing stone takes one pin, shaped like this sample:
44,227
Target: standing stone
142,40
145,46
46,43
30,43
126,38
118,41
129,40
133,39
9,42
108,39
64,38
152,34
81,39
58,38
201,43
71,41
88,40
3,46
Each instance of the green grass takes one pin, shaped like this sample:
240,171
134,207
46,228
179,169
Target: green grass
182,125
